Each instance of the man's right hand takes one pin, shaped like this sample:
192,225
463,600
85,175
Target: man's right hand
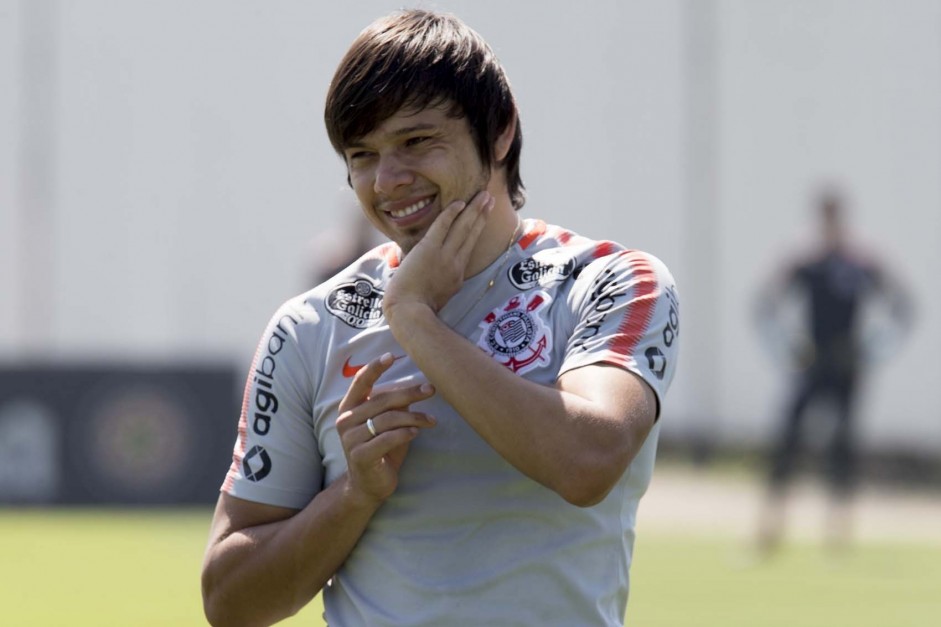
373,462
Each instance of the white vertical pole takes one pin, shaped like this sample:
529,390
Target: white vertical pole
702,351
36,192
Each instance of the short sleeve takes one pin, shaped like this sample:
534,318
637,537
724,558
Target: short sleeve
627,314
276,458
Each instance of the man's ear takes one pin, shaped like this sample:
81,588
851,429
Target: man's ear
504,140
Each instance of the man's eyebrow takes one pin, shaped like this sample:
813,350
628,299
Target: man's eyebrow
399,132
407,130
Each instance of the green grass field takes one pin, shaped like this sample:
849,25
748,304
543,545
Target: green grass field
133,568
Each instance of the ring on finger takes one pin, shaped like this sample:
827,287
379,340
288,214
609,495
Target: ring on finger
372,427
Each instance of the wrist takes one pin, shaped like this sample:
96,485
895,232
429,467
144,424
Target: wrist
401,315
356,499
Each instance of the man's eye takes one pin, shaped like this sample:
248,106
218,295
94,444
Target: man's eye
415,141
358,155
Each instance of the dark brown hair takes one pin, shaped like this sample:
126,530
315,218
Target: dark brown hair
416,59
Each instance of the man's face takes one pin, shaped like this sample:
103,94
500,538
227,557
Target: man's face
410,167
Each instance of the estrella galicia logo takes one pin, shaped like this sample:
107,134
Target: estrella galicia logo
531,272
256,464
358,304
656,361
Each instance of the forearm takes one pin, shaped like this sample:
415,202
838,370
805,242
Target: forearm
261,574
562,440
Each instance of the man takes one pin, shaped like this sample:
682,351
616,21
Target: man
457,428
851,309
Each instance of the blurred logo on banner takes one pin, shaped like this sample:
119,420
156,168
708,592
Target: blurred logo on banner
29,459
115,434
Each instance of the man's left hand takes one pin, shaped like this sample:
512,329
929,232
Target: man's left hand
433,271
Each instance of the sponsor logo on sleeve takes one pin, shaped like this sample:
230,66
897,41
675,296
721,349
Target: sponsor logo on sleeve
672,328
358,304
531,272
516,335
264,409
605,293
256,464
656,360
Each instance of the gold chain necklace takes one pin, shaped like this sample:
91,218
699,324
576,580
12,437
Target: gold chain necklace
493,277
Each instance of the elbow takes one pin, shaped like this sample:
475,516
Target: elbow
587,487
584,500
213,608
218,613
218,616
222,608
587,482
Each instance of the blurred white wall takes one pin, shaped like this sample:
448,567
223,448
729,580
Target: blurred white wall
184,169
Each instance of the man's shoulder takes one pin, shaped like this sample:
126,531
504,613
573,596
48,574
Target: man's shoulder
352,296
549,243
540,236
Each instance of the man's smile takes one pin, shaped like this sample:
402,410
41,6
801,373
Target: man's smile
409,210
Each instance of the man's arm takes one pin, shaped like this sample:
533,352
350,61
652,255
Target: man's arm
264,563
576,438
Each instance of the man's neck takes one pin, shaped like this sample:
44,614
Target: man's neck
495,240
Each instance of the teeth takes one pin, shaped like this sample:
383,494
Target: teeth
421,204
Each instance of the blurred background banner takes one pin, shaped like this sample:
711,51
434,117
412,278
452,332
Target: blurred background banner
115,434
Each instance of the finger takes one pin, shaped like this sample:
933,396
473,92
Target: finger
386,423
467,243
373,451
442,225
395,398
390,400
364,380
477,209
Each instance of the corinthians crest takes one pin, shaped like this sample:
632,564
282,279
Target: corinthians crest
516,334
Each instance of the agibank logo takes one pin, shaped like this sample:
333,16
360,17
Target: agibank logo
256,464
516,335
358,304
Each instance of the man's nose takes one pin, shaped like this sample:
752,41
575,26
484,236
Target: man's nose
391,173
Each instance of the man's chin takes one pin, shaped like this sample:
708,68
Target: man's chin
409,240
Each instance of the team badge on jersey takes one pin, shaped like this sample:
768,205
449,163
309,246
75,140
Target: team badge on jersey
516,335
358,304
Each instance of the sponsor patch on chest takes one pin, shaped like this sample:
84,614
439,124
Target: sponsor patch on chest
516,333
541,269
358,304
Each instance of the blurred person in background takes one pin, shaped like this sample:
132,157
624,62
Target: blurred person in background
829,315
457,428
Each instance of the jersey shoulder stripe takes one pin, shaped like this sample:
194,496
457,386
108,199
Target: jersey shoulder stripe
647,288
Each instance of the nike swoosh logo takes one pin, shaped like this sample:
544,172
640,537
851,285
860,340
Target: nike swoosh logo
349,370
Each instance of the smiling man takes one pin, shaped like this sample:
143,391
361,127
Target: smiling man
457,428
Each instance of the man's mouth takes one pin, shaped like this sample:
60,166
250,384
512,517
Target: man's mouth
413,208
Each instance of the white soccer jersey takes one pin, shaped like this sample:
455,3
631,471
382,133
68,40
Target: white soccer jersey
466,538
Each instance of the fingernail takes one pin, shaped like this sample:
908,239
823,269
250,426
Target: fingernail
386,359
427,388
